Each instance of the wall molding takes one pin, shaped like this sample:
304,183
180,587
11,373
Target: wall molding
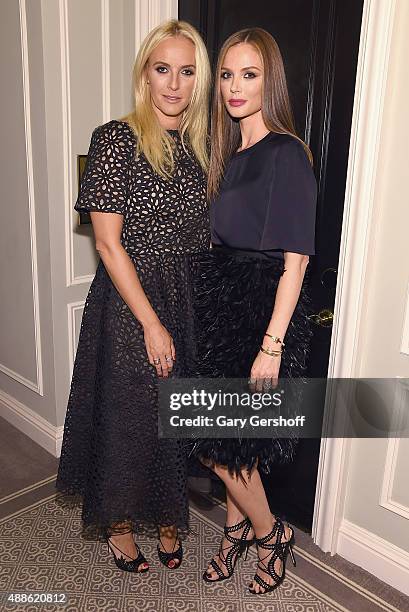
172,9
386,500
149,14
33,425
404,348
21,379
141,19
71,278
155,13
161,10
37,386
371,77
400,423
66,138
106,62
72,308
381,558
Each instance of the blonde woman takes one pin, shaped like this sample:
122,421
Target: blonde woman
144,185
252,298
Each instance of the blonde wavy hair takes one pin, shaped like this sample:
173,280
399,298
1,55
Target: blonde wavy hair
154,141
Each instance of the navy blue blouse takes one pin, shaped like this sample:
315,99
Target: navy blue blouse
267,200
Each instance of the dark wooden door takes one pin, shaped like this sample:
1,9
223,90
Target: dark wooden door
319,42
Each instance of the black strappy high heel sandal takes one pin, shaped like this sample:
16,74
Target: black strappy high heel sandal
166,557
236,549
280,551
127,565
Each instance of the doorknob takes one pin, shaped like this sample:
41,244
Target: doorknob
323,318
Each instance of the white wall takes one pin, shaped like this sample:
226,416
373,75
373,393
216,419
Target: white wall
65,68
383,347
368,507
27,387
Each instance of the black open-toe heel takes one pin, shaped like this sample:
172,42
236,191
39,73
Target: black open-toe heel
280,551
237,547
174,555
127,565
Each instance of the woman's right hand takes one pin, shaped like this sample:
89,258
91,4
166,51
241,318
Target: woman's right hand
160,348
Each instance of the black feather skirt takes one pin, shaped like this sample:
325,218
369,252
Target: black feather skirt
234,296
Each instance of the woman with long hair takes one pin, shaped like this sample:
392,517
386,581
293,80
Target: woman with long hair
145,188
252,298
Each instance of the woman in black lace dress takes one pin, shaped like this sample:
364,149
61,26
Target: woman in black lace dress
252,296
144,185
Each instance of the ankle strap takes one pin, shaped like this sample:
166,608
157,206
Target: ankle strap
113,531
278,526
228,530
232,528
110,543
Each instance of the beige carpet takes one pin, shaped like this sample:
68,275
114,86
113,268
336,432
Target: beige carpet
41,552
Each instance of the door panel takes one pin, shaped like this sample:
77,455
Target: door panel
319,43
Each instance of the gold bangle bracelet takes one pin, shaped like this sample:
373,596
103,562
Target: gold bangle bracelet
269,348
275,338
270,353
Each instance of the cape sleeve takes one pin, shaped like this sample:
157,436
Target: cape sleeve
104,183
290,219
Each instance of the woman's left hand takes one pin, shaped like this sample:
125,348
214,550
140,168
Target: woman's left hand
264,372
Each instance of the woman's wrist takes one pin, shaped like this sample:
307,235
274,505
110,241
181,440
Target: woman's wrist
273,341
270,352
275,338
149,321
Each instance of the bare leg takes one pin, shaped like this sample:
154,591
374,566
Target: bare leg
234,515
125,543
252,501
167,543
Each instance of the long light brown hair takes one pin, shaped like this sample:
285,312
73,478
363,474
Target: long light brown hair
156,144
276,108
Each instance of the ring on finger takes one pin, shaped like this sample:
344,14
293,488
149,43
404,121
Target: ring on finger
156,361
168,358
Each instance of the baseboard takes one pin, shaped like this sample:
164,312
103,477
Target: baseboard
383,559
30,423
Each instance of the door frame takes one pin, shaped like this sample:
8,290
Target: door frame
370,87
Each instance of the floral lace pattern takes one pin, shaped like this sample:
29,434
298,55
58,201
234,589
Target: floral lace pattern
112,460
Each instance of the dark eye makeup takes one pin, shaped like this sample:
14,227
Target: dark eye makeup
165,69
247,75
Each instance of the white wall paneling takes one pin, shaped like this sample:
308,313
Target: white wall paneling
66,143
73,331
375,43
405,331
150,13
378,556
69,168
106,62
142,22
37,385
392,465
86,51
30,423
146,15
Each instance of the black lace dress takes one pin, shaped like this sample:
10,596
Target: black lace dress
112,460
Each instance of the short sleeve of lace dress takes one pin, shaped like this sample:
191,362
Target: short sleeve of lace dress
104,184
